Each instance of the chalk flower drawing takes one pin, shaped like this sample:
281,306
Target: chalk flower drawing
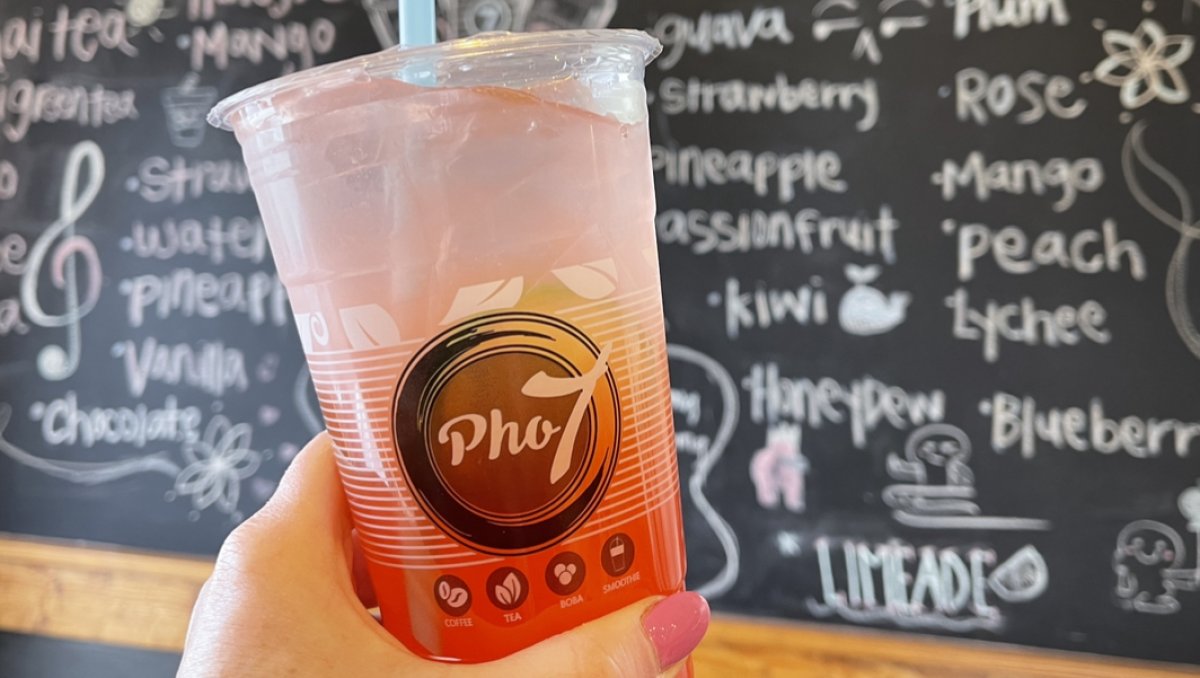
1145,64
217,465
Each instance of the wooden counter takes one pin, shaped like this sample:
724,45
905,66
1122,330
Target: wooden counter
143,600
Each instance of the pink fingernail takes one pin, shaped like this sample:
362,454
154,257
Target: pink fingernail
676,625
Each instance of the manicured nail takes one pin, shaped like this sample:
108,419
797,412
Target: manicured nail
675,626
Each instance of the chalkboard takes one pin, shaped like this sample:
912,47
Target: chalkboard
151,385
935,358
926,268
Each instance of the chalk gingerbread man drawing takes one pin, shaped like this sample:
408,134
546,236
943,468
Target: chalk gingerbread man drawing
1149,561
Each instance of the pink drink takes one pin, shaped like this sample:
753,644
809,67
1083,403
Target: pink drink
473,271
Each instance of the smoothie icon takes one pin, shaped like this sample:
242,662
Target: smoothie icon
187,106
617,554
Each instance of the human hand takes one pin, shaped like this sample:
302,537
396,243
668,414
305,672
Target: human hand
289,597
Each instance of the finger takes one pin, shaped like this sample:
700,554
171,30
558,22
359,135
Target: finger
639,641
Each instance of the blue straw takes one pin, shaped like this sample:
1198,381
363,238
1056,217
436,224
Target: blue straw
418,23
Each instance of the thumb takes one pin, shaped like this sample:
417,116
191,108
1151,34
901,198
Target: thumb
639,641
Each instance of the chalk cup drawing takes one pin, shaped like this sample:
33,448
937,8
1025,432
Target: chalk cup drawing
866,311
1145,64
935,487
1136,160
64,250
1150,558
706,459
837,16
186,106
779,470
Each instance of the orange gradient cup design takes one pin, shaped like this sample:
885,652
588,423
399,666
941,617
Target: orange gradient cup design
470,257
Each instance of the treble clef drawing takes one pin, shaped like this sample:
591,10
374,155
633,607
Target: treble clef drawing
62,245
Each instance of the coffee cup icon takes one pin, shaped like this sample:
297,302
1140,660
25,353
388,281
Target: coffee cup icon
186,107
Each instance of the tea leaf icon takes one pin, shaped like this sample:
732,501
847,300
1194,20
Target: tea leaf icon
444,591
513,585
593,280
503,596
369,326
489,296
458,598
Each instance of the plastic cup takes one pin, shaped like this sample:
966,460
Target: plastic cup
466,235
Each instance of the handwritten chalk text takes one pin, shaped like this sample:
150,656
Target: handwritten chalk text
727,30
24,103
207,10
214,239
64,422
763,307
1018,422
179,179
769,173
10,180
1066,177
208,366
986,15
20,38
282,42
693,95
979,96
190,294
752,230
1022,322
864,404
1088,251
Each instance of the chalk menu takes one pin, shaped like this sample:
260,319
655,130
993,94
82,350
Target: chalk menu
932,330
151,386
935,357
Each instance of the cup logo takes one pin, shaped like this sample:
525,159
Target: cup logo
507,429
